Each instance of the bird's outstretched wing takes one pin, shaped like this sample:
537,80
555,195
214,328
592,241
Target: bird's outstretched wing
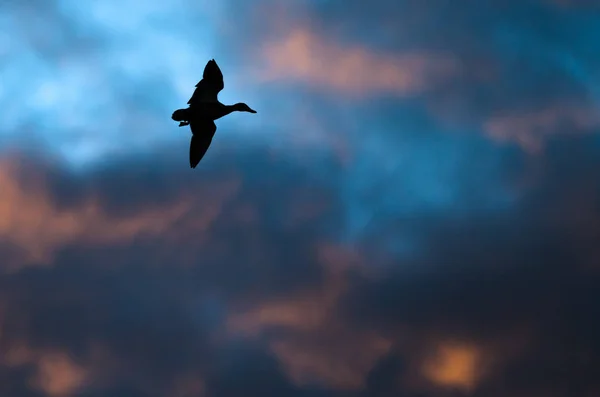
202,135
209,87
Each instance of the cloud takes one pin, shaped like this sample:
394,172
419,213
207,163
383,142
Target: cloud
34,226
453,366
278,305
313,346
530,130
469,77
62,52
58,376
73,329
54,372
464,71
305,57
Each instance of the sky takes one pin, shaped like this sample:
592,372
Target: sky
413,211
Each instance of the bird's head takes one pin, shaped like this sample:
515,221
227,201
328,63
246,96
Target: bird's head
242,107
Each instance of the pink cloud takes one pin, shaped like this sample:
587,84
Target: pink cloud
319,348
58,375
303,56
530,129
30,221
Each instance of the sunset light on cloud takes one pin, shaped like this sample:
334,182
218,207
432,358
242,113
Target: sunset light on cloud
413,210
305,57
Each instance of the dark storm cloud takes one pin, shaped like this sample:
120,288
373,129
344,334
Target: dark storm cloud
513,291
145,309
529,274
229,212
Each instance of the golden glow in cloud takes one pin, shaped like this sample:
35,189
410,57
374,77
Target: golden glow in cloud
453,365
305,57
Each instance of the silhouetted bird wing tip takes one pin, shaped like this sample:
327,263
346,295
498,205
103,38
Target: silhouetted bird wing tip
211,84
203,132
213,73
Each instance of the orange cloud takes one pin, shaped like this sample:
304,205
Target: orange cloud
530,129
318,348
32,223
335,357
305,57
56,374
454,365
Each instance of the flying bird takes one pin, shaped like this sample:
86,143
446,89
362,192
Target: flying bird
203,109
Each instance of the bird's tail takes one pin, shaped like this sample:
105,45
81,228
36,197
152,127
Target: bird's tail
180,115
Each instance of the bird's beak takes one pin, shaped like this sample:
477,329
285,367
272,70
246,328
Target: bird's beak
252,111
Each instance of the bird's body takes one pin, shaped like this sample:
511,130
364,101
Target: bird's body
204,108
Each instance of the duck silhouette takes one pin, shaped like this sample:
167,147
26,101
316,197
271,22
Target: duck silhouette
203,109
